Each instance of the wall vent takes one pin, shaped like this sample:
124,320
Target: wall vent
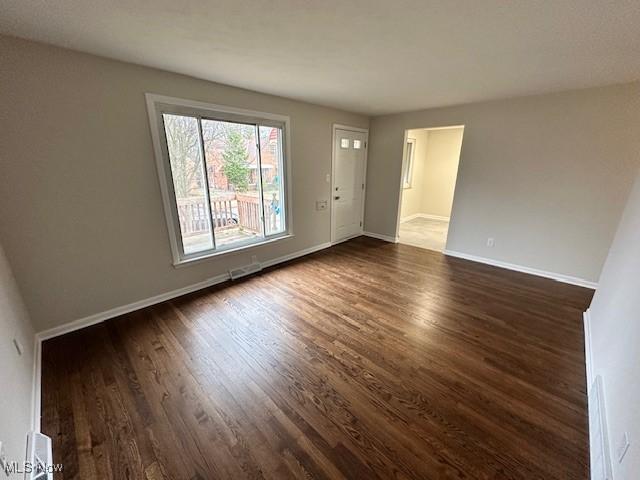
598,437
39,457
244,271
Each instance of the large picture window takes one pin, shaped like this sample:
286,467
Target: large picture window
222,173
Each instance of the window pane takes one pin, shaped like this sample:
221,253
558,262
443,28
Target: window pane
344,143
357,144
408,166
187,171
232,168
272,179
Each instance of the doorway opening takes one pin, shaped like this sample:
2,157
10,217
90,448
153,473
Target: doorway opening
429,171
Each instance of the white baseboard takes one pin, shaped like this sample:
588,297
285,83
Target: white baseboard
121,310
428,216
294,255
40,337
599,447
36,388
600,464
519,268
379,236
346,239
586,317
408,218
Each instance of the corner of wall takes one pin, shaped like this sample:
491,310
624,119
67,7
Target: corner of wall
19,366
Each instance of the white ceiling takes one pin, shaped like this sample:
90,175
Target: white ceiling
370,56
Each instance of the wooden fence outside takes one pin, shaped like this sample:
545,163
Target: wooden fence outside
227,211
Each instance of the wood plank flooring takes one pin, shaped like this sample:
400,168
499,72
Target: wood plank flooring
367,360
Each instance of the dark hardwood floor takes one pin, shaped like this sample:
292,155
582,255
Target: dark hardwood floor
367,360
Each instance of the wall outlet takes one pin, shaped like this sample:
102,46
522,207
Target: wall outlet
623,446
491,242
321,205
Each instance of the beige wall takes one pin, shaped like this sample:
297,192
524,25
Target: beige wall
615,336
16,371
441,168
547,176
81,214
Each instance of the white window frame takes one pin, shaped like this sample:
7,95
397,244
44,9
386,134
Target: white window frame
159,104
407,174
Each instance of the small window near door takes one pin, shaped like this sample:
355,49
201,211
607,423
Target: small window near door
357,144
344,143
407,174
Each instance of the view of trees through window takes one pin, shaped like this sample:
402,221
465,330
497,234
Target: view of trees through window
232,196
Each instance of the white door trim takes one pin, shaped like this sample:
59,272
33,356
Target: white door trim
401,191
339,126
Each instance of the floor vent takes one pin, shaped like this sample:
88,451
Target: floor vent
244,271
598,441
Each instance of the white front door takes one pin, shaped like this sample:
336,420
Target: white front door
349,154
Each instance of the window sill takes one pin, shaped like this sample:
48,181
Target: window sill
241,248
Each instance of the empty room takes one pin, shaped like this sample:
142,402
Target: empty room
429,171
319,240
